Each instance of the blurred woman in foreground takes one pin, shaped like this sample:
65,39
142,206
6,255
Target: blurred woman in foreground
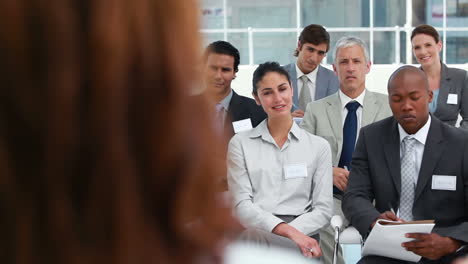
102,158
449,85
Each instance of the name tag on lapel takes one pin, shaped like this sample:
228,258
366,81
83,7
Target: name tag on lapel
444,182
297,170
242,125
452,99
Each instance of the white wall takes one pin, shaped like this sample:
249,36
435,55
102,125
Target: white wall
376,79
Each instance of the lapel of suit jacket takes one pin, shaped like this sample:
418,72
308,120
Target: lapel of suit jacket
291,69
235,106
321,84
433,149
334,111
370,109
444,88
235,111
392,154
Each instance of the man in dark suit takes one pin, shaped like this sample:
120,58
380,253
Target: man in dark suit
313,45
221,65
413,163
231,111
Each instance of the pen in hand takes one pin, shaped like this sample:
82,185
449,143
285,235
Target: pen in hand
391,208
393,211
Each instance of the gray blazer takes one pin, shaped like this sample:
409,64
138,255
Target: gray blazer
327,83
375,178
453,81
324,118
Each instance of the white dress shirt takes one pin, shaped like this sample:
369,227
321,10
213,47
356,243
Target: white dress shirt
344,111
311,85
261,190
420,137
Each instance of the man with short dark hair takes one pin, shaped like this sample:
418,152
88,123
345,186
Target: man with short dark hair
416,165
232,112
306,72
221,65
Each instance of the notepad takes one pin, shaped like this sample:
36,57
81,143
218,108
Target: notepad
386,237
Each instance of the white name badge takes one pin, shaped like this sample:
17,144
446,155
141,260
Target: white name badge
297,170
452,99
444,182
242,125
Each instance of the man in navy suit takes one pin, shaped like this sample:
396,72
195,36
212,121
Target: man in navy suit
313,45
416,165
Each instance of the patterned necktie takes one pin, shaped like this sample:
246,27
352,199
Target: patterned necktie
219,119
408,177
304,96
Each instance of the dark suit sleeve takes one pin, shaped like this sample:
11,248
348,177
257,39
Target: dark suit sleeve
459,231
334,84
464,103
357,200
242,107
258,115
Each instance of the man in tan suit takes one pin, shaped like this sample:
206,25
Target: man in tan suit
339,117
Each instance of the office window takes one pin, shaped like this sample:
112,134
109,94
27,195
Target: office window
268,29
335,13
457,48
384,48
403,47
389,13
208,38
212,14
262,13
274,47
241,42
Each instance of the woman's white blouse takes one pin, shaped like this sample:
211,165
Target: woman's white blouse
266,180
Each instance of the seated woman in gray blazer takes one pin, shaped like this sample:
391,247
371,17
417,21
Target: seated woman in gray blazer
280,175
449,85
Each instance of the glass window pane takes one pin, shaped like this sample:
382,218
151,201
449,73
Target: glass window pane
428,12
274,47
384,48
389,13
238,40
212,14
431,12
457,47
403,47
241,42
335,13
457,13
335,36
261,14
419,11
208,38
